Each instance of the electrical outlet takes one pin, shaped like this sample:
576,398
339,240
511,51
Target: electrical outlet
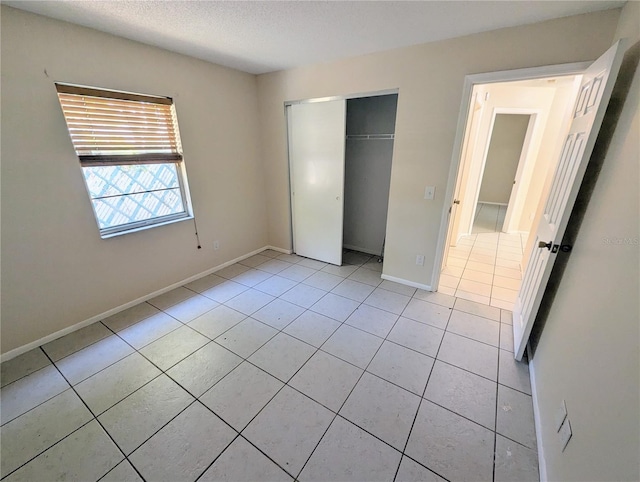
560,415
429,192
420,259
216,245
565,434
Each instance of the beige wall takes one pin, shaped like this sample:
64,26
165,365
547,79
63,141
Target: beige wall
503,156
588,353
429,78
56,271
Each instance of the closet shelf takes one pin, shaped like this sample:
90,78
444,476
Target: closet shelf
366,137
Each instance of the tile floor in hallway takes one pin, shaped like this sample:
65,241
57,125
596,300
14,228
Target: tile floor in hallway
276,368
489,218
485,266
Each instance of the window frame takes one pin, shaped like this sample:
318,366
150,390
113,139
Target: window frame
136,226
129,160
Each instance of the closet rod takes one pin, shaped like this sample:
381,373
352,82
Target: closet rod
363,137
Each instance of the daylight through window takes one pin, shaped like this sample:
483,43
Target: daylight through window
130,154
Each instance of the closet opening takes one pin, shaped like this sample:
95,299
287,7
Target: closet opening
370,134
340,156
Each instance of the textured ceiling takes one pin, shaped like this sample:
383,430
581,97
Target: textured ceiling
260,37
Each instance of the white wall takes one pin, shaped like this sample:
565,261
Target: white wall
368,172
503,156
56,271
430,79
588,350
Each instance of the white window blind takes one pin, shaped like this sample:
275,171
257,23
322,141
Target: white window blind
108,127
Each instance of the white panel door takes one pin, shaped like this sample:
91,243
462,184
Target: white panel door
316,155
589,110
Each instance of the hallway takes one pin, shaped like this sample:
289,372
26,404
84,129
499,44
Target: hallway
485,266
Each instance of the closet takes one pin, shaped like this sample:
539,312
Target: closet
340,154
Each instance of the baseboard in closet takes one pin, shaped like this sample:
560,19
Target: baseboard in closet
362,250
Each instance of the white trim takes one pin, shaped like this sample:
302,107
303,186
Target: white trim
280,250
573,68
70,329
493,204
467,89
344,97
405,282
542,465
529,153
292,225
150,225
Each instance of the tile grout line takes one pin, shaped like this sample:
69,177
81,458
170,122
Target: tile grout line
341,323
4,476
347,398
101,426
281,388
196,399
495,432
424,391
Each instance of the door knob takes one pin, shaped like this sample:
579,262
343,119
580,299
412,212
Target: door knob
456,201
565,248
542,244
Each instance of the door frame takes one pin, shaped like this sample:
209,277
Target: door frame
287,105
470,81
524,161
525,153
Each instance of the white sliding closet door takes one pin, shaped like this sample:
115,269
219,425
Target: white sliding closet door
316,156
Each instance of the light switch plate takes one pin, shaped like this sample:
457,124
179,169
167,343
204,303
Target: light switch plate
560,415
565,434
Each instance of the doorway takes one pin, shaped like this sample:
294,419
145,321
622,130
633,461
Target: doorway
574,139
511,147
506,146
340,155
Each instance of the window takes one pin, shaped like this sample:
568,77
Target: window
130,155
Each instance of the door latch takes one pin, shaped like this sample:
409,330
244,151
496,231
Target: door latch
565,248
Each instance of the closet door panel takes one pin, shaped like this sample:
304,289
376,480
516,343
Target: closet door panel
316,156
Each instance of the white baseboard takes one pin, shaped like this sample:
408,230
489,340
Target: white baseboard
65,331
401,281
493,204
542,466
361,249
280,250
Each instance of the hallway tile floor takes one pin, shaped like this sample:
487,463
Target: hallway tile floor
276,368
486,268
489,218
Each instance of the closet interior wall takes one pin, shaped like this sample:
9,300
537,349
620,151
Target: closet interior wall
369,150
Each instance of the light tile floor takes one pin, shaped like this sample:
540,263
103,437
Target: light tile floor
277,368
488,218
485,266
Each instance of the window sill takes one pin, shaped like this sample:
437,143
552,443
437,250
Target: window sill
144,228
